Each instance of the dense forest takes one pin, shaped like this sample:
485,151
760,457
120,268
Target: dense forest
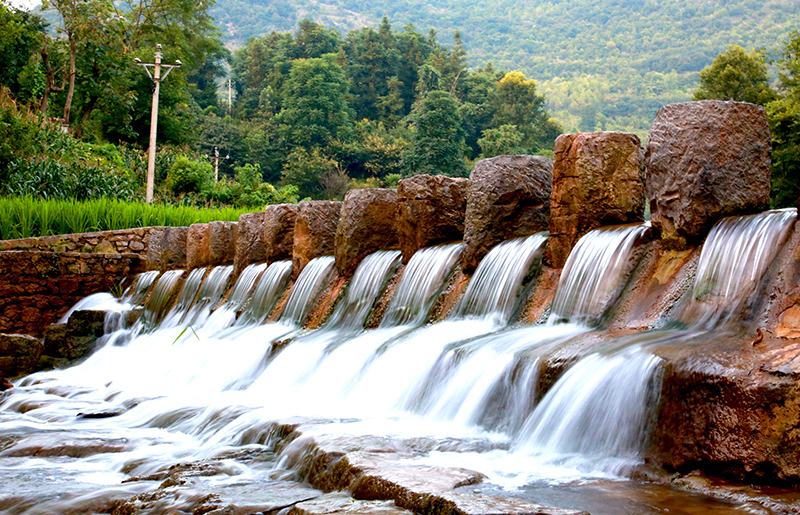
601,64
317,110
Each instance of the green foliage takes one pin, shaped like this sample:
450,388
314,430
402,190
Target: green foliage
315,111
249,190
784,114
23,217
21,36
306,169
187,176
736,75
503,140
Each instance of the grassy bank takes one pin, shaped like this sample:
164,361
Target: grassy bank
23,217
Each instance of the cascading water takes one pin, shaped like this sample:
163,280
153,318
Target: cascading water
422,280
594,273
734,258
185,298
208,297
267,292
158,302
492,292
317,275
204,395
138,291
238,297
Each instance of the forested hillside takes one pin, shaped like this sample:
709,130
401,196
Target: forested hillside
602,64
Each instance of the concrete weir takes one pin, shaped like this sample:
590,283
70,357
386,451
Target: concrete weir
522,322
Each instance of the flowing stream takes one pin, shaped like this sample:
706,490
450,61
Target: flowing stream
203,375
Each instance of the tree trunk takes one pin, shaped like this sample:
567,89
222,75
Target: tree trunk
73,50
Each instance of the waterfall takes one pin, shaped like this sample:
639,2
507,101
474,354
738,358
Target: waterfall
735,256
157,303
185,298
422,280
137,293
209,296
597,415
241,291
315,277
267,292
594,273
363,291
492,292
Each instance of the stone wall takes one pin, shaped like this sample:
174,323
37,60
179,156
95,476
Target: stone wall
37,288
124,241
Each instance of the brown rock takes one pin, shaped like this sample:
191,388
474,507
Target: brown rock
508,197
19,354
154,248
77,337
368,222
432,209
198,252
314,232
105,247
249,241
598,179
706,160
279,221
731,411
222,242
173,250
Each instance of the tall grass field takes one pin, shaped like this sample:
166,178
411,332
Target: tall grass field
24,217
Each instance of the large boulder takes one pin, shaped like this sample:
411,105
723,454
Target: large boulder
731,410
508,197
222,242
598,179
166,249
314,232
279,220
19,354
432,209
198,252
368,222
250,246
706,160
77,337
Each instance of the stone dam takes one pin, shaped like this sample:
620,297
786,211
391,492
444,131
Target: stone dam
616,330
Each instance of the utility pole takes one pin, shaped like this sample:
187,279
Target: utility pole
156,78
216,163
229,97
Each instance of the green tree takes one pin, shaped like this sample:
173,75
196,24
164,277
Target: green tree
784,115
188,176
736,75
518,103
21,37
504,140
315,111
437,144
306,170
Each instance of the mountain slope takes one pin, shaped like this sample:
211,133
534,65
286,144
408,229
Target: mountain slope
604,64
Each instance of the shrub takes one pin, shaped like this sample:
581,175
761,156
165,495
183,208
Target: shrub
188,176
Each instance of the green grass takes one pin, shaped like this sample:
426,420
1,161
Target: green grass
24,217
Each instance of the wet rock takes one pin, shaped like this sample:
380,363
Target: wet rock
706,160
598,179
340,504
279,222
222,242
5,384
368,222
76,338
250,246
198,251
154,247
508,197
19,354
732,411
432,209
314,232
